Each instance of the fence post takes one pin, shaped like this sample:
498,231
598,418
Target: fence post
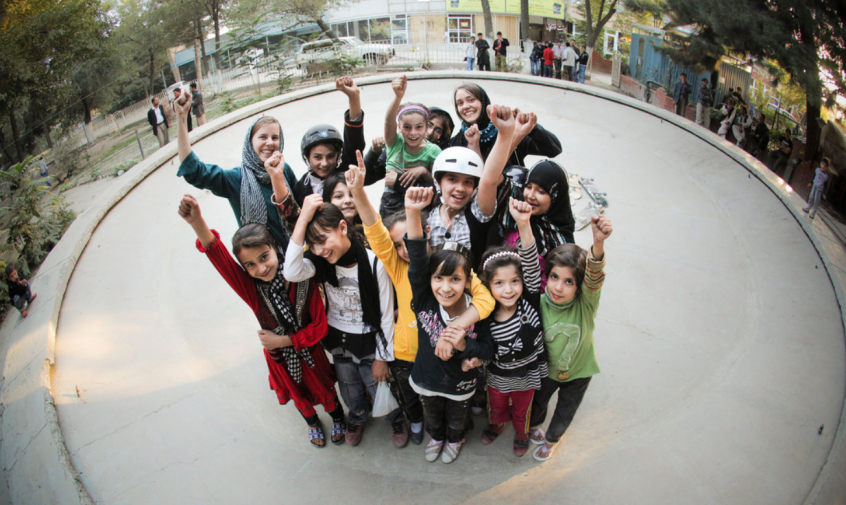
138,138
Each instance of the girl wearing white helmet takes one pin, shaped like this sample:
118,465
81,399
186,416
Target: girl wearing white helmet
324,149
468,188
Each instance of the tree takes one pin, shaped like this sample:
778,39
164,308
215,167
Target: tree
42,42
486,9
142,29
802,37
597,13
524,21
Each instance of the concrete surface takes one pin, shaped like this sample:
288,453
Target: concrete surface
720,336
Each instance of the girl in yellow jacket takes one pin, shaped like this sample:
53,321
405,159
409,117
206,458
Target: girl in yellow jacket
386,242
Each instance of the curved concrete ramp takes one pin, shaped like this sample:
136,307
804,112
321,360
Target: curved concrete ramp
719,335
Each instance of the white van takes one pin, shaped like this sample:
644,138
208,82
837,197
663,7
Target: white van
322,50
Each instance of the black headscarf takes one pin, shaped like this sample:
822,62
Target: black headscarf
444,141
556,227
486,128
367,283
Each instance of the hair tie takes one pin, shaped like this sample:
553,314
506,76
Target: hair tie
499,255
413,107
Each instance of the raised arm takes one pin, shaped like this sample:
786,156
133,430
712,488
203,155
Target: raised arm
398,85
355,182
347,86
189,210
504,122
297,268
522,213
182,113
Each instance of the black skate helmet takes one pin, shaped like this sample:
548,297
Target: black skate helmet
322,133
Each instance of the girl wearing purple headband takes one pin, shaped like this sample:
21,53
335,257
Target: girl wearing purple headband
410,155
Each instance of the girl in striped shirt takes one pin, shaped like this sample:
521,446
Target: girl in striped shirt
513,276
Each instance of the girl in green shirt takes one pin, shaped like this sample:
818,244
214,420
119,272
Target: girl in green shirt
568,312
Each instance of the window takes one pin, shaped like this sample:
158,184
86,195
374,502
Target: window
340,29
460,29
399,29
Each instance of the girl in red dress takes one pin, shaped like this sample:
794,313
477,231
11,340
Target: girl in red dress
292,318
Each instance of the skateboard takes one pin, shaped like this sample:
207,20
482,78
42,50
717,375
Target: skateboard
575,188
593,192
583,217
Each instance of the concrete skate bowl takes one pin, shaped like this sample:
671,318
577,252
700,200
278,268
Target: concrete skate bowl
720,336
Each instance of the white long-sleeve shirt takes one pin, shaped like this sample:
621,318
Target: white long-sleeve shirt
345,310
470,50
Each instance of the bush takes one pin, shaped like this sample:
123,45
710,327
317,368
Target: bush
69,161
32,231
284,83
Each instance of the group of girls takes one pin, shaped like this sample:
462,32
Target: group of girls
465,289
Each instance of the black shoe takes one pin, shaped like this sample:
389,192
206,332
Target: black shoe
416,438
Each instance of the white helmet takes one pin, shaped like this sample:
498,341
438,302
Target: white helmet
459,160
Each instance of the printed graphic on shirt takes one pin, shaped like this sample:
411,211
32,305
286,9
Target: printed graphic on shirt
561,333
345,302
432,326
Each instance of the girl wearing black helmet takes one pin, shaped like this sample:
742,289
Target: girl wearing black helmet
324,149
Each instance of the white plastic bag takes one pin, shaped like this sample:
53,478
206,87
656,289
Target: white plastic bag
384,403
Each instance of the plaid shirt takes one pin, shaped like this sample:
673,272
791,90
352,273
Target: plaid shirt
460,229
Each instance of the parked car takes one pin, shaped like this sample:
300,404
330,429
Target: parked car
320,51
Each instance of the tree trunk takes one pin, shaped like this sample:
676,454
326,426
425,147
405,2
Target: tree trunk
47,135
16,134
216,19
86,110
324,28
9,156
198,58
202,37
486,8
524,21
812,132
152,70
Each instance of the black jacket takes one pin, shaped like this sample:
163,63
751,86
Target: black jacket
429,371
151,117
539,142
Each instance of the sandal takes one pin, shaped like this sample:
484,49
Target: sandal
315,436
451,451
537,436
433,449
339,431
490,433
545,451
521,445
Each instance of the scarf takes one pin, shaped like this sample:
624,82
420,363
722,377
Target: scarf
443,142
367,283
277,301
486,128
556,227
253,206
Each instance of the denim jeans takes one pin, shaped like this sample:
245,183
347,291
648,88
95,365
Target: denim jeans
547,70
536,67
814,199
470,62
445,418
557,64
570,395
582,69
353,379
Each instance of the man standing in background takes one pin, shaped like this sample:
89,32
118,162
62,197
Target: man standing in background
197,108
680,94
569,61
482,57
158,120
500,47
558,51
703,106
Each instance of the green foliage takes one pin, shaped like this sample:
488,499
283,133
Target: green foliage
32,233
344,64
284,83
227,102
69,161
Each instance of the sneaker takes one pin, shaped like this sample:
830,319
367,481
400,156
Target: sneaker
811,216
490,433
537,436
521,445
400,434
416,438
433,449
451,451
806,210
354,432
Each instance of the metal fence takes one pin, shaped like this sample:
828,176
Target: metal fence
267,73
